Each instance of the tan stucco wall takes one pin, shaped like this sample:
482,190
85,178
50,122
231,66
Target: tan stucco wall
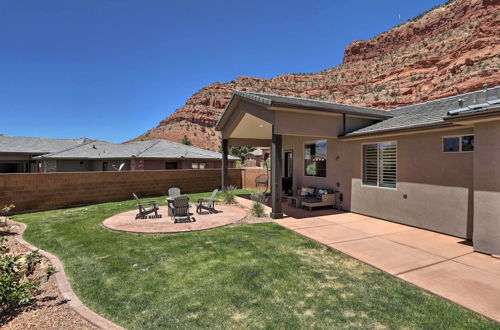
331,126
438,186
487,187
296,144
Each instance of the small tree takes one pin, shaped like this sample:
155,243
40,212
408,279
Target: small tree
186,141
238,151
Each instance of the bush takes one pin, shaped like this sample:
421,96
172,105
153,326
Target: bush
257,208
228,194
17,286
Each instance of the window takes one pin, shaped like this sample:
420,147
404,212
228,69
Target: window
170,165
315,158
462,143
196,165
380,164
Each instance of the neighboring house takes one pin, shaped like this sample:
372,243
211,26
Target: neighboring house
17,152
53,155
433,165
257,157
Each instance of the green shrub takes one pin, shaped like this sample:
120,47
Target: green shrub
228,194
17,286
257,208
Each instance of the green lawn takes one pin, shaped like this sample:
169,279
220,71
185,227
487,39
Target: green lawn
257,276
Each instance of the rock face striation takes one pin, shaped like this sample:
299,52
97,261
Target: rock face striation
451,49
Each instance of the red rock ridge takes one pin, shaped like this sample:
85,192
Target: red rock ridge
450,50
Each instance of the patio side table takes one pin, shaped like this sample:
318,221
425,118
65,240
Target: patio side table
295,201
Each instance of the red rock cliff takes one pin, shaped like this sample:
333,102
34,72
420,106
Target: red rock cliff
449,50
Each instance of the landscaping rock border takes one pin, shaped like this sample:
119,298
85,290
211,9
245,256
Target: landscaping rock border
65,287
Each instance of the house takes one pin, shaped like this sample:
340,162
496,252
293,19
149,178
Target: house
433,165
55,155
257,157
17,152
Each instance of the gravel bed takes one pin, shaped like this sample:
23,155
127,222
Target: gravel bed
49,309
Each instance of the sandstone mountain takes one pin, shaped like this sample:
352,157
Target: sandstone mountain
451,49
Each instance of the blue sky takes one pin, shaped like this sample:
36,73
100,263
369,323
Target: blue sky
111,69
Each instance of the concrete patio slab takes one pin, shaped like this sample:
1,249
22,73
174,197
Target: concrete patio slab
442,264
438,244
468,286
374,228
392,257
293,223
345,218
481,261
126,221
331,234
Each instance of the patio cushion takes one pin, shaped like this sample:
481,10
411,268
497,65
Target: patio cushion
311,200
318,192
306,191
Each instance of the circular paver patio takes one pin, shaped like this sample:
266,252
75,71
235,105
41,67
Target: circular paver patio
227,214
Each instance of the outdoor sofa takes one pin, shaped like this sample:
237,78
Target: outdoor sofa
312,197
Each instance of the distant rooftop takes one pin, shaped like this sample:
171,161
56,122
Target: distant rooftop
158,149
34,145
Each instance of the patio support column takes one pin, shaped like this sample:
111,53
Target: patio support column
276,162
225,180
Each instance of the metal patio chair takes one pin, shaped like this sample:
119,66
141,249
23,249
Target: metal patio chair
261,180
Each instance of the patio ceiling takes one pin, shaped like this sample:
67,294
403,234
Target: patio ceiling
251,127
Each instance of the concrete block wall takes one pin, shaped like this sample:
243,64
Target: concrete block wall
46,191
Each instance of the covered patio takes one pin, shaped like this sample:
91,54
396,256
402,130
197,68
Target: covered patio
295,129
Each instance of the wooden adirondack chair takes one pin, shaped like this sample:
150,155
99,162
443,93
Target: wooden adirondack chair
210,203
179,209
144,211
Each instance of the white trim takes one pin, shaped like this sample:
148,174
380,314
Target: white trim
378,179
460,137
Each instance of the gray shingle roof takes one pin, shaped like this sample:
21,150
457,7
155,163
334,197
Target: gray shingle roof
143,149
33,145
429,113
288,101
